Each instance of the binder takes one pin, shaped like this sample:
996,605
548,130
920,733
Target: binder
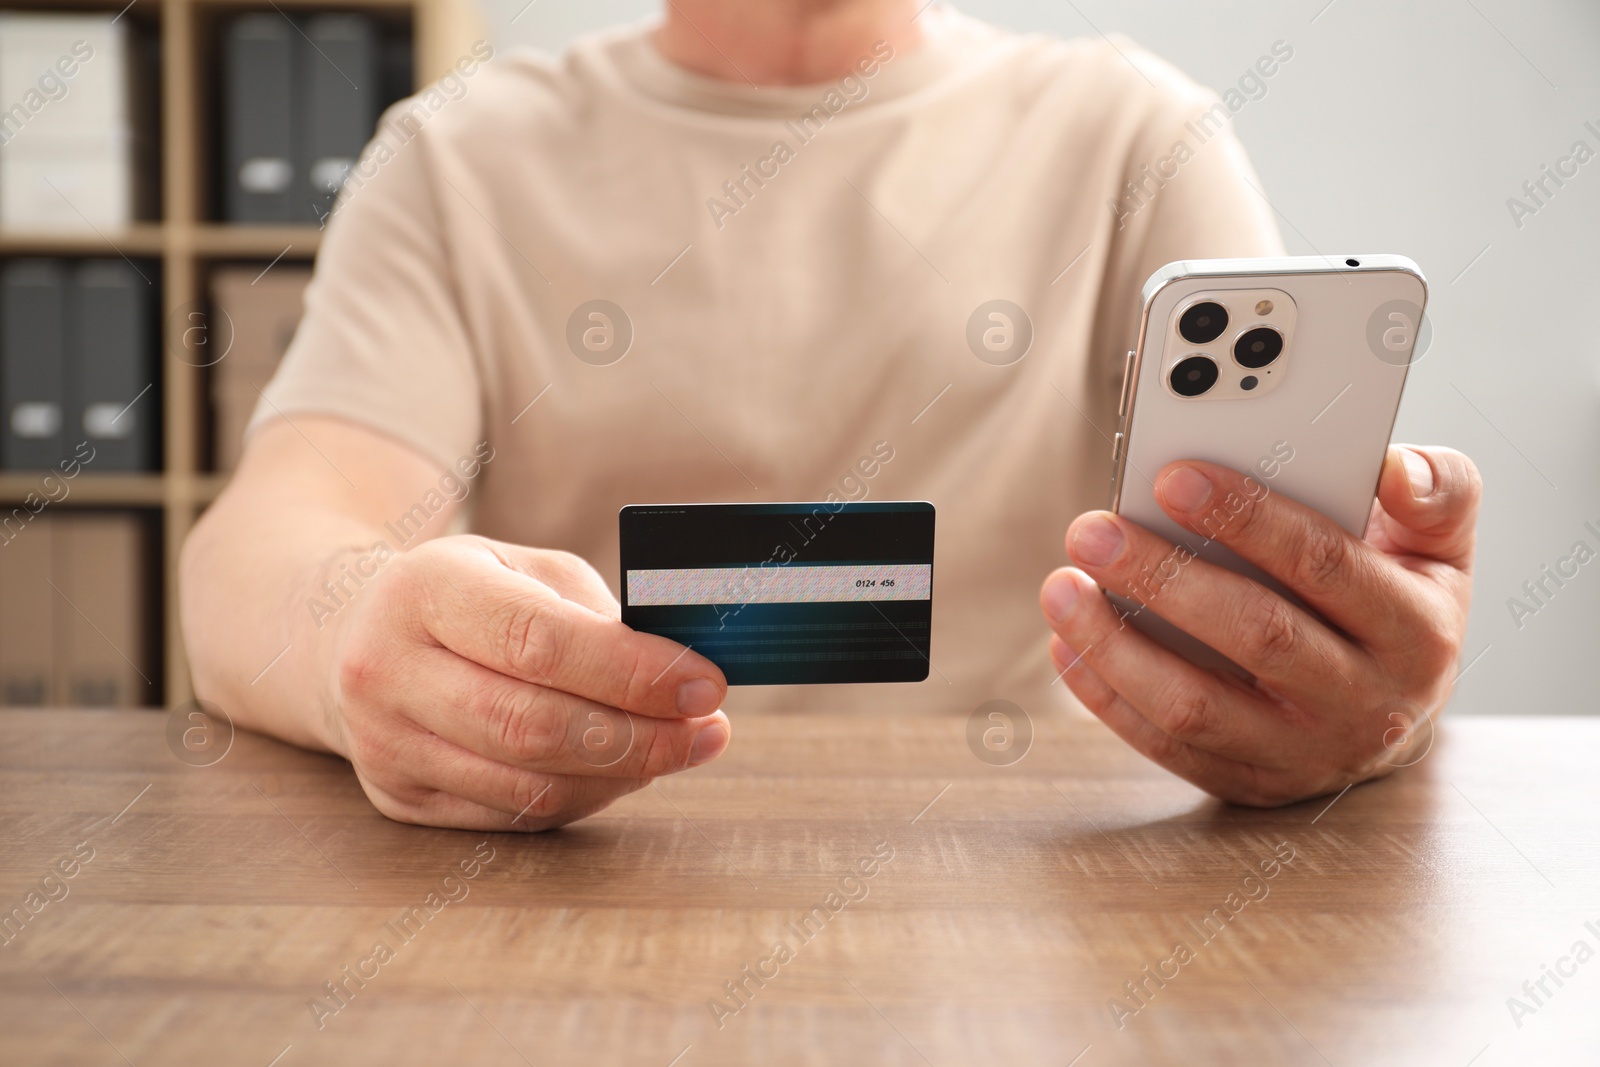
27,625
111,380
70,185
341,64
32,363
85,53
260,156
261,312
77,593
67,163
101,643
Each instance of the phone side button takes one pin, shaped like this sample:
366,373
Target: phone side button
1116,466
1127,382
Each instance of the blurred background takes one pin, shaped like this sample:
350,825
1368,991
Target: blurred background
171,189
165,170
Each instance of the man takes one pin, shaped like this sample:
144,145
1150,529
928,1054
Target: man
789,273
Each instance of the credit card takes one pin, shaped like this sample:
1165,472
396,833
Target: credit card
786,594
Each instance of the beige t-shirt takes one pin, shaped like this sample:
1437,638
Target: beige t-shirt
799,269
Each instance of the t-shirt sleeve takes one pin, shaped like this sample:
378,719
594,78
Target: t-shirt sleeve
383,341
1194,195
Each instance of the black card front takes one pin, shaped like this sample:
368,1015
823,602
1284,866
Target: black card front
783,594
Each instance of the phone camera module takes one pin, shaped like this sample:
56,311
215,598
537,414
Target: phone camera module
1193,376
1258,347
1203,323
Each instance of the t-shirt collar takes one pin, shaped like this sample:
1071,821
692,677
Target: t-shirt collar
641,63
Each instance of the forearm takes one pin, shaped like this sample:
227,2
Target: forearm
261,629
270,572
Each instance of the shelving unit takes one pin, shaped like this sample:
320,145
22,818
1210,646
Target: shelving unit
185,243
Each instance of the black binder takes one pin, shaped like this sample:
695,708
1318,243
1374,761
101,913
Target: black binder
111,380
33,363
261,162
340,108
300,100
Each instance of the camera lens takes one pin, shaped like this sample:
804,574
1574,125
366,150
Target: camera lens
1258,347
1203,323
1193,376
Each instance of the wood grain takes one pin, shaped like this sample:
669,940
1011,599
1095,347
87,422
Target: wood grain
1017,903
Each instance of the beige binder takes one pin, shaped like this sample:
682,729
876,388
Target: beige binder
27,609
256,315
102,622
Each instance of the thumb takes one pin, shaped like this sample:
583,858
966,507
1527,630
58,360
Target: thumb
1429,496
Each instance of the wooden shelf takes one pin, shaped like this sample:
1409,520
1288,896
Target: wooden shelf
86,490
222,239
147,239
317,5
442,32
143,10
156,239
110,490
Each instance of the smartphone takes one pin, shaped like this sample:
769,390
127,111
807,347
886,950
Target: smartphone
1288,370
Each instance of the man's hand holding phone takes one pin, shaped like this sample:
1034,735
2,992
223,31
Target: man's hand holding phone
1318,715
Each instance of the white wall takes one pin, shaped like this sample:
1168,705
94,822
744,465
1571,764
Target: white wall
1405,127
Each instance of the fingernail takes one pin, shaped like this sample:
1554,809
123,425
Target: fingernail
698,696
1186,489
1060,597
1418,471
708,743
1097,541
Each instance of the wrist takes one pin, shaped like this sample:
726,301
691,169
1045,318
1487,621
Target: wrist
335,592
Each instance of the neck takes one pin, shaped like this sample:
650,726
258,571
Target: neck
783,42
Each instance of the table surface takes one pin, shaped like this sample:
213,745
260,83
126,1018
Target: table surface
1019,915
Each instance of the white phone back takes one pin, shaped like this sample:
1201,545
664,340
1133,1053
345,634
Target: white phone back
1333,403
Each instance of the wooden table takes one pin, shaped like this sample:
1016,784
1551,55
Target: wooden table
1017,903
